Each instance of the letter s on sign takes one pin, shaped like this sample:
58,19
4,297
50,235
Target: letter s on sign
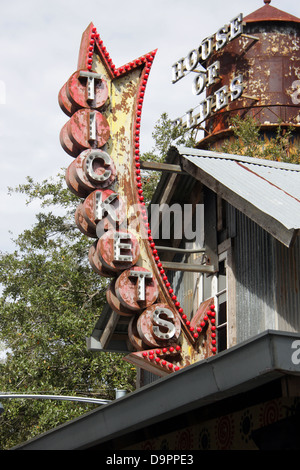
296,354
159,321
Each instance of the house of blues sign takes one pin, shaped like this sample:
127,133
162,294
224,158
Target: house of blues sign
209,75
104,105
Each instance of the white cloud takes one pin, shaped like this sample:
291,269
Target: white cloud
39,45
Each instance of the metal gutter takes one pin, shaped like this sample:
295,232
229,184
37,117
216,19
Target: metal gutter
241,368
36,396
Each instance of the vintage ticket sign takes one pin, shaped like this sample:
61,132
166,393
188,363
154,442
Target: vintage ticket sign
104,105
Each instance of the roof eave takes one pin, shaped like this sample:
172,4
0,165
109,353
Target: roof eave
286,235
239,369
268,13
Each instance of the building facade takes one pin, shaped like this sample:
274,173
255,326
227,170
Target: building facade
240,249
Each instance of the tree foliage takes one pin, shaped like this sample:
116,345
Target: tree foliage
50,301
51,298
249,139
164,135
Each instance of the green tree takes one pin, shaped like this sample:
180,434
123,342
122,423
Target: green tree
249,139
50,302
164,135
51,298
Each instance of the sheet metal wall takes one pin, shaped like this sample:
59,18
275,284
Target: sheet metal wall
184,284
255,281
288,286
267,280
267,275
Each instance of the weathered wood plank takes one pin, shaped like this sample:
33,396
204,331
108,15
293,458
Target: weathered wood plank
196,268
157,166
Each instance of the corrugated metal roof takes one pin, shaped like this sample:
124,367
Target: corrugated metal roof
268,187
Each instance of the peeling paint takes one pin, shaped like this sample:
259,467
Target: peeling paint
270,67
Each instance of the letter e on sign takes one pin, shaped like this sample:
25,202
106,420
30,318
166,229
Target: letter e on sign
236,27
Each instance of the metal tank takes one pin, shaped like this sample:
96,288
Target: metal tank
267,56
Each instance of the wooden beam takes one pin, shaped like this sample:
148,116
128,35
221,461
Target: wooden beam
185,251
195,268
157,166
109,329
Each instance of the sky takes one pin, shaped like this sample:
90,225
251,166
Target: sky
39,46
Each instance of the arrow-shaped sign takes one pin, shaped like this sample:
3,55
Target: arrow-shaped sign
104,104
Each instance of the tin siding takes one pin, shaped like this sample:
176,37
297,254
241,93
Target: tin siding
267,276
255,278
288,291
184,285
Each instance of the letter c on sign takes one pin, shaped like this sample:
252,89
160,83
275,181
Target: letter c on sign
97,158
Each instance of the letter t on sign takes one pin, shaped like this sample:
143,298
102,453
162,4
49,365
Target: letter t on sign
141,276
91,77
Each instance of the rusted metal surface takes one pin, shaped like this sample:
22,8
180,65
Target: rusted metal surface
79,129
134,336
267,56
270,13
73,184
148,334
135,293
81,182
204,322
96,264
64,102
114,302
77,91
104,106
159,364
67,143
94,213
129,251
82,224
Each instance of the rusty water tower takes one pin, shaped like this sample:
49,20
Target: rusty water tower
267,55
